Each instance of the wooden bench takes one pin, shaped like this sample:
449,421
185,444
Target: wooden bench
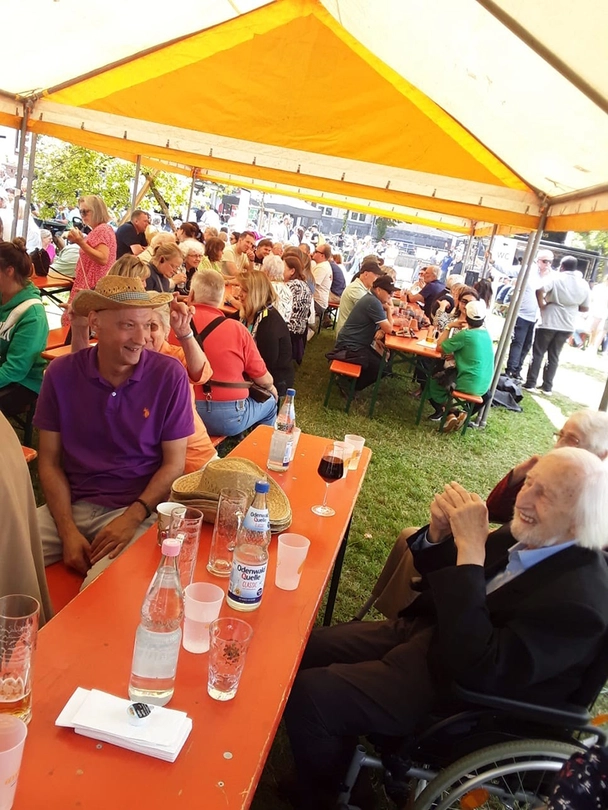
29,454
56,338
339,368
331,312
467,402
64,584
217,440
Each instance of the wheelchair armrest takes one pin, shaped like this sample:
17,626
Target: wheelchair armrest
566,715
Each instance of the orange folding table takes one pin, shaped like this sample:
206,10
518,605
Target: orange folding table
51,287
409,347
90,644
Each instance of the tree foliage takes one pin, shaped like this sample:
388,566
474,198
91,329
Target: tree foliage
592,240
382,223
64,172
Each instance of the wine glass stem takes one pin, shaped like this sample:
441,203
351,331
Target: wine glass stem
325,496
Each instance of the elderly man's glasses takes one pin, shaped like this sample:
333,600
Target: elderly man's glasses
567,437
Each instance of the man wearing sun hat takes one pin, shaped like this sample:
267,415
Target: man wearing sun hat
114,421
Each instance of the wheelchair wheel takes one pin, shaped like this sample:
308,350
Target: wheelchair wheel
514,776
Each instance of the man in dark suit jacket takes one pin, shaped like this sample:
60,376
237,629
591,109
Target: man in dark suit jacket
519,612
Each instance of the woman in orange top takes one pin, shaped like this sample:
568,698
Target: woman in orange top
199,450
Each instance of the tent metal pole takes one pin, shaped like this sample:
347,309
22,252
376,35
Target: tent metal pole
19,174
465,258
604,401
512,312
583,194
549,56
30,180
135,183
191,197
488,252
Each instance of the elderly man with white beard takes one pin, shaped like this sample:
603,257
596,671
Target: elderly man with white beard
520,612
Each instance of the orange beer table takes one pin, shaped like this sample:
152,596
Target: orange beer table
412,346
90,644
51,287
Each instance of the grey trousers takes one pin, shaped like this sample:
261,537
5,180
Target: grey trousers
90,518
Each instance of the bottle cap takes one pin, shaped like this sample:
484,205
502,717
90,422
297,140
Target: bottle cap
262,486
171,547
138,713
291,392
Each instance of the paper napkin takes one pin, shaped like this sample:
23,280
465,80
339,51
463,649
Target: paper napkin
104,717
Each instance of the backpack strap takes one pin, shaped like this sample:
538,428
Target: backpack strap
14,315
218,383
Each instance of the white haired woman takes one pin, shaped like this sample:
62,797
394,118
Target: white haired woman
192,251
274,268
97,249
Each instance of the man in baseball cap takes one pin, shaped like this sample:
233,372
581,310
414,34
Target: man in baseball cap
114,421
474,358
371,313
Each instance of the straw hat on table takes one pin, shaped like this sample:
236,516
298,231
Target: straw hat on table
201,489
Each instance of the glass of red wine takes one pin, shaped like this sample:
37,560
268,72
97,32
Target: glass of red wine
331,468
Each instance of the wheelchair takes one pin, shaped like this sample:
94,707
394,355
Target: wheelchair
495,754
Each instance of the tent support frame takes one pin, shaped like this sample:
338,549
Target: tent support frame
512,313
191,197
486,260
30,180
20,160
547,55
135,184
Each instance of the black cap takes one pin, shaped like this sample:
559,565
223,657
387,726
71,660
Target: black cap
371,266
384,282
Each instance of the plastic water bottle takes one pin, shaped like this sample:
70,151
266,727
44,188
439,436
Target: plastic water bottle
250,559
158,637
281,444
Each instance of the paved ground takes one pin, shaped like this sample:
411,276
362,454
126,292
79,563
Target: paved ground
581,377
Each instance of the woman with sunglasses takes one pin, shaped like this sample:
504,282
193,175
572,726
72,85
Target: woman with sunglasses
97,249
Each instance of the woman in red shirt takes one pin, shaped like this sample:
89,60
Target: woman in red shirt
97,249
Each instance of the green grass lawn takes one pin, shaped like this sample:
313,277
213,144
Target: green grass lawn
409,465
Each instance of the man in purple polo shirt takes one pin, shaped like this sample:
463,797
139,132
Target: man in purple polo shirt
432,289
114,421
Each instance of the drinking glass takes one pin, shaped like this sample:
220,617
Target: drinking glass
231,509
19,616
331,468
229,641
186,527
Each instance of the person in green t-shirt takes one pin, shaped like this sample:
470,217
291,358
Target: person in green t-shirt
23,330
474,358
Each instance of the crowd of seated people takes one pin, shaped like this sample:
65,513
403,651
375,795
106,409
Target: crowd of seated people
519,611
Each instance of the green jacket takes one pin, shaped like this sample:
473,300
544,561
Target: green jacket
21,347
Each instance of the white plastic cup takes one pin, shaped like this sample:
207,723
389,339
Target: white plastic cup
202,604
13,732
163,512
357,443
291,554
348,450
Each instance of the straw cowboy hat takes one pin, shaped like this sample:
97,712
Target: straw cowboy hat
201,489
117,292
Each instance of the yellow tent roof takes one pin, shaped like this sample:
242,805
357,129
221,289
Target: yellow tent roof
456,108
